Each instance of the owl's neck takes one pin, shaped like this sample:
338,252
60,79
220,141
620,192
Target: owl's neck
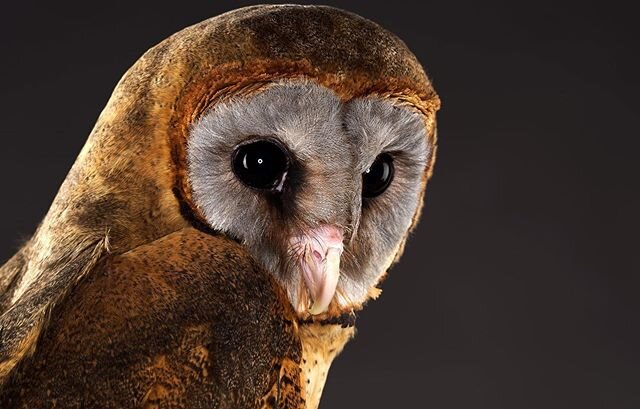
321,343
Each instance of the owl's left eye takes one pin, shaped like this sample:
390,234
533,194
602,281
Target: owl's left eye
378,177
261,165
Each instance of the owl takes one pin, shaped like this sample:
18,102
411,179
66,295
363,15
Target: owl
242,195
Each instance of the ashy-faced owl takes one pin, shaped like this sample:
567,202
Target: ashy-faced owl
243,193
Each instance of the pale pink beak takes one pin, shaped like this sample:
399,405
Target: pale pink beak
319,250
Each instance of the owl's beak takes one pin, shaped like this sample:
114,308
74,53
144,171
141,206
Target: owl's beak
320,264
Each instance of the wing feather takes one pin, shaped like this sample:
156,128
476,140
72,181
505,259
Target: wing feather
187,321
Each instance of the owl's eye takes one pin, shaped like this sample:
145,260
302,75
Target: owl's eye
261,164
378,177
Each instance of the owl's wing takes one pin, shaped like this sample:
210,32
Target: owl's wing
10,274
186,321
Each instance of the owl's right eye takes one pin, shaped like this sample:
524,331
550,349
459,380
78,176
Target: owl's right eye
261,165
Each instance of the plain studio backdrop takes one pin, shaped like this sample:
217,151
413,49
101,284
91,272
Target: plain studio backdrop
519,287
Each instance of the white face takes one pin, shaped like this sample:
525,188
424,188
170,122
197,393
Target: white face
320,191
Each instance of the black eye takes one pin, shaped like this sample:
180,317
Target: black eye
261,165
378,177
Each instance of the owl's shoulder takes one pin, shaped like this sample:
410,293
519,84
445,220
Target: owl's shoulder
186,321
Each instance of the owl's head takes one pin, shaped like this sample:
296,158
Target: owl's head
305,133
315,152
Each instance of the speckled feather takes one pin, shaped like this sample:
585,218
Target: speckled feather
162,327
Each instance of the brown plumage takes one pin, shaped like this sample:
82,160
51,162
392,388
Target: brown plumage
125,296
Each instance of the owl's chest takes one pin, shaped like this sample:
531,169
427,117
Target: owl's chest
320,345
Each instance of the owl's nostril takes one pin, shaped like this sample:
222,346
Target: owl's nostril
317,256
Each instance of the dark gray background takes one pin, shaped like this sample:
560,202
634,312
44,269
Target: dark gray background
519,289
